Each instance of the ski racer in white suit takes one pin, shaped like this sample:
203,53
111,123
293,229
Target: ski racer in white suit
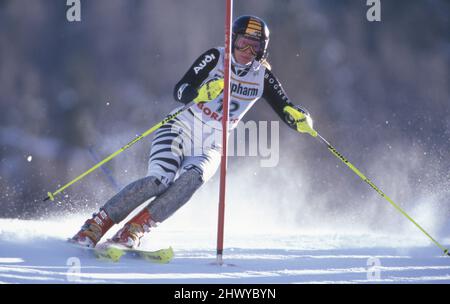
181,158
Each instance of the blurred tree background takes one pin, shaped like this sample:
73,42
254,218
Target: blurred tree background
379,91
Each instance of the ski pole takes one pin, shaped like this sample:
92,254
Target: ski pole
105,170
51,195
371,184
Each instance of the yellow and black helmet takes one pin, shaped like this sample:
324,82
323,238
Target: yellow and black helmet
254,28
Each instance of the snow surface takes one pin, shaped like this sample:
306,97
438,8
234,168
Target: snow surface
35,252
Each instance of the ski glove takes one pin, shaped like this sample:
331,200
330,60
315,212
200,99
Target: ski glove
186,93
299,119
210,90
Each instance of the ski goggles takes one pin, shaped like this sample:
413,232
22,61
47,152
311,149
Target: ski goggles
243,43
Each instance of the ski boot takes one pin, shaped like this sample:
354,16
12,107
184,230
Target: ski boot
131,233
93,230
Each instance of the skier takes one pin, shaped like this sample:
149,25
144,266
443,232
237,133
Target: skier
174,172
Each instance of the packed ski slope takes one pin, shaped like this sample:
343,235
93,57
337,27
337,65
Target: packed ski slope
35,252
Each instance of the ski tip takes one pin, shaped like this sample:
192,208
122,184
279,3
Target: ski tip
162,256
166,255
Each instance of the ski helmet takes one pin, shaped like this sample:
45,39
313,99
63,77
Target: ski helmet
254,28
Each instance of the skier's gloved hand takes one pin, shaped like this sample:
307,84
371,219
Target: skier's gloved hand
299,119
210,90
186,93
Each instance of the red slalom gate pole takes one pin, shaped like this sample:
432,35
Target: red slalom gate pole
226,99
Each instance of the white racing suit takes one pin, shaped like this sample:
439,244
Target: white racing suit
186,151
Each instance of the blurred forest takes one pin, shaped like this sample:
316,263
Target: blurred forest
74,92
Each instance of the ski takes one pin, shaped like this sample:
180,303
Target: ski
108,253
161,256
114,252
